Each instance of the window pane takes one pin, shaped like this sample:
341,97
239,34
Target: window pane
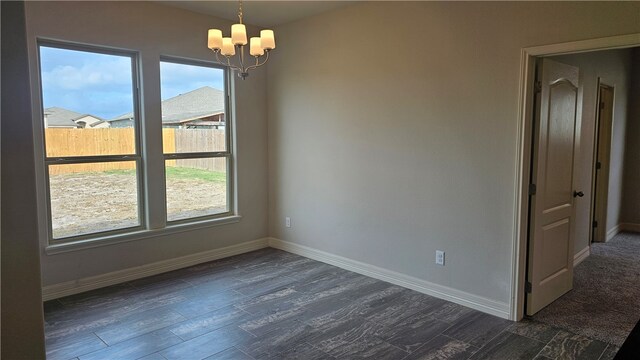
93,197
193,108
196,187
86,96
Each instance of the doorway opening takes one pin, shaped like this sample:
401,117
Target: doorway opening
531,57
564,191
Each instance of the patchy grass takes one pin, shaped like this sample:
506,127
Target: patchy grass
184,173
190,173
91,202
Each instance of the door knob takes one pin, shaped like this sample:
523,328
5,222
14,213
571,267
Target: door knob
578,194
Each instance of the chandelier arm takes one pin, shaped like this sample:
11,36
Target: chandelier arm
257,65
216,52
227,63
220,61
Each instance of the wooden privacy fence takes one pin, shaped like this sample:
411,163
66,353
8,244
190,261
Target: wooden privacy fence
199,140
120,141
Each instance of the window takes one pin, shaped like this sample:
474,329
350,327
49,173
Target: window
95,169
92,162
196,139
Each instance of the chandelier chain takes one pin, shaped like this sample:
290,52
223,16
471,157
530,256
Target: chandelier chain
240,11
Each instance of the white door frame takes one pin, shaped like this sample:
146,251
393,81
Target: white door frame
523,156
601,215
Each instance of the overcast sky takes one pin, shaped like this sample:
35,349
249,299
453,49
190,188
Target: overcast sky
101,84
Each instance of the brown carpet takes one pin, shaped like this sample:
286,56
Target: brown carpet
605,301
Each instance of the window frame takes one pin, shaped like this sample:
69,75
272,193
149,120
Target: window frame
68,160
227,153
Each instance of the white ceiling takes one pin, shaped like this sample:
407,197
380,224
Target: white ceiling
260,12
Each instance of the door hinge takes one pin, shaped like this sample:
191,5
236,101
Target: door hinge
594,224
598,165
528,287
538,86
532,189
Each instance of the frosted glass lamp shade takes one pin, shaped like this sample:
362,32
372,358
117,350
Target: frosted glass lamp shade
256,47
215,39
239,34
227,47
268,39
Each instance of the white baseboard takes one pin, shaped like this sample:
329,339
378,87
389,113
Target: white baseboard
480,303
613,232
580,256
630,227
622,227
90,283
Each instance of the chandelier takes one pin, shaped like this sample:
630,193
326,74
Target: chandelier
232,48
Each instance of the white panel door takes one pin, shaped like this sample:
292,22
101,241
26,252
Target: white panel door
552,211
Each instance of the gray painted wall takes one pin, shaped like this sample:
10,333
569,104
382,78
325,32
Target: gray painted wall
631,198
392,130
22,322
614,69
154,30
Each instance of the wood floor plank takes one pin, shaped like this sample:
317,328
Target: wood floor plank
534,330
272,301
139,324
302,351
203,324
567,345
610,352
477,328
303,269
367,304
326,281
208,344
366,347
137,347
509,346
262,323
230,354
264,286
71,346
155,356
201,302
275,342
412,332
339,332
271,304
444,348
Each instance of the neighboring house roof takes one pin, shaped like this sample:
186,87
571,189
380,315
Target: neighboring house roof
60,117
202,102
91,120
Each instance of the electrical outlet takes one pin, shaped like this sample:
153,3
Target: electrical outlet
440,257
287,222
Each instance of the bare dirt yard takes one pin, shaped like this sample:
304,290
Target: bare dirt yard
90,202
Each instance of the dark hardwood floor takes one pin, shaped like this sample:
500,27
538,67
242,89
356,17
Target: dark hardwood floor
270,304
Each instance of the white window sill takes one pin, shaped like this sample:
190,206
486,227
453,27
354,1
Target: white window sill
138,235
